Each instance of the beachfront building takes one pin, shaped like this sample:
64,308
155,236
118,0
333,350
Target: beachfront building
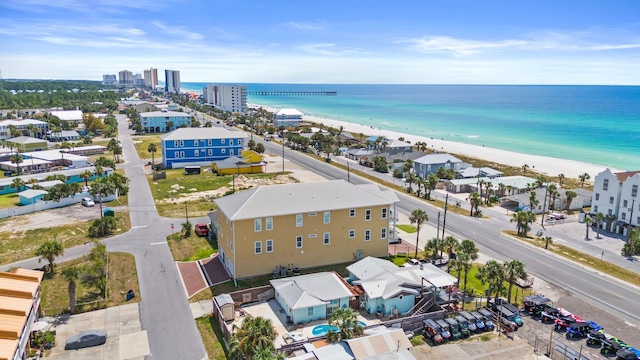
151,78
163,121
481,172
19,310
200,146
287,118
172,81
429,164
231,98
125,78
312,297
395,147
109,79
25,127
392,290
616,195
301,225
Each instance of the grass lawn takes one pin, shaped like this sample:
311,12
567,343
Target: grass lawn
9,200
170,202
192,248
593,262
22,245
211,337
410,229
122,277
142,144
228,287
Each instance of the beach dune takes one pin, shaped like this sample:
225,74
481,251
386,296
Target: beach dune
542,164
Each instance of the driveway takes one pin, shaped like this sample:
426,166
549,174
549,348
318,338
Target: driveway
125,337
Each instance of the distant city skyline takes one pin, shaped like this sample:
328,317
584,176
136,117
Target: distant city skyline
366,42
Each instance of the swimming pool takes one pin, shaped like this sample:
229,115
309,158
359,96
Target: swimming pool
323,329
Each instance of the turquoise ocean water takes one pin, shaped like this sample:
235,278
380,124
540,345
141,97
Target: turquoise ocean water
593,124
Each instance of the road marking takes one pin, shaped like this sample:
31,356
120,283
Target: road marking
159,243
140,227
543,263
613,294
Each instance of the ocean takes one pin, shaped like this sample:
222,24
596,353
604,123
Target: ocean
592,124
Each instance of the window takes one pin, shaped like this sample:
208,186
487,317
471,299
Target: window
597,196
310,311
268,224
624,203
384,213
313,214
196,152
605,184
181,154
176,154
176,143
367,215
210,142
298,242
611,200
367,235
352,212
327,217
624,216
181,143
634,190
239,141
224,151
269,246
326,238
195,142
352,233
257,225
595,208
609,212
383,233
258,247
210,152
223,141
230,151
298,220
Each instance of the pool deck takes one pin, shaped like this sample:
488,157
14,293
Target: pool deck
273,311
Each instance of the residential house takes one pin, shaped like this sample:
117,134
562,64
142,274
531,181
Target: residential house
27,127
429,164
31,196
19,310
200,146
26,144
616,195
482,172
501,186
163,121
65,135
311,297
72,175
287,118
392,290
304,224
249,162
398,147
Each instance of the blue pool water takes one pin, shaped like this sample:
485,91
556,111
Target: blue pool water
323,329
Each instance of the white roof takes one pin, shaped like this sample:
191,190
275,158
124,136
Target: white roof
305,291
163,114
203,134
48,184
286,199
41,176
56,155
373,346
22,122
26,162
30,194
397,143
289,112
69,115
26,140
437,159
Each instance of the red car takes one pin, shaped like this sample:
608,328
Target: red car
202,229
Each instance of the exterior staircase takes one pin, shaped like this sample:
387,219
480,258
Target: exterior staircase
422,306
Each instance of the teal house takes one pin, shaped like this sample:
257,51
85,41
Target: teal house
30,196
311,297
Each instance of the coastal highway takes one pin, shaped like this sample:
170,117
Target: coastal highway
609,295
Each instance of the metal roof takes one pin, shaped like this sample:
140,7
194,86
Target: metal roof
202,133
289,112
163,114
372,346
26,140
31,193
224,299
305,291
437,159
286,199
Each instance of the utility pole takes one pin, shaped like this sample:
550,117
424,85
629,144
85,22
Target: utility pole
633,201
283,138
435,253
348,172
186,210
444,220
544,204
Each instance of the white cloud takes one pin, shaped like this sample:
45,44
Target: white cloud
306,25
178,31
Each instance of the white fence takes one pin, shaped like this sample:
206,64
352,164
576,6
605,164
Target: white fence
45,205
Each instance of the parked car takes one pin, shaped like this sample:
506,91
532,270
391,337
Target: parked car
86,339
88,202
202,229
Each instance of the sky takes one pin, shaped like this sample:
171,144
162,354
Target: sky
328,41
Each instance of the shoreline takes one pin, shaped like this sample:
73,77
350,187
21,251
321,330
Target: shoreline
546,165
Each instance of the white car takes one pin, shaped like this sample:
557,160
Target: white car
88,202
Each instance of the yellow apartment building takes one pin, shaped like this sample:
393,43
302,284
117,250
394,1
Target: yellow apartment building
301,226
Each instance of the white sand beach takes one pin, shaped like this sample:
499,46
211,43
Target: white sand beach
542,164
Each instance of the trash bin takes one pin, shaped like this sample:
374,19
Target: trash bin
130,295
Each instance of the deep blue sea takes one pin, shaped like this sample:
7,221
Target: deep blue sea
593,124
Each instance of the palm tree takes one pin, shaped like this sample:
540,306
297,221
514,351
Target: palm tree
522,220
599,219
588,221
449,244
410,179
561,179
610,219
474,200
432,247
71,274
493,274
152,149
49,250
17,183
255,332
570,196
102,187
346,320
464,264
418,217
524,169
514,270
86,175
17,159
583,177
233,352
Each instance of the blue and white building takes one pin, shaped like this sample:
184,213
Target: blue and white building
429,164
163,121
200,146
287,118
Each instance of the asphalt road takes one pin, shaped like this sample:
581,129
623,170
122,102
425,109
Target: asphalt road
610,295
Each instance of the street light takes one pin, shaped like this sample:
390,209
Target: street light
633,200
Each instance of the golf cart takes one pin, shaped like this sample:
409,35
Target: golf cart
535,304
581,329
